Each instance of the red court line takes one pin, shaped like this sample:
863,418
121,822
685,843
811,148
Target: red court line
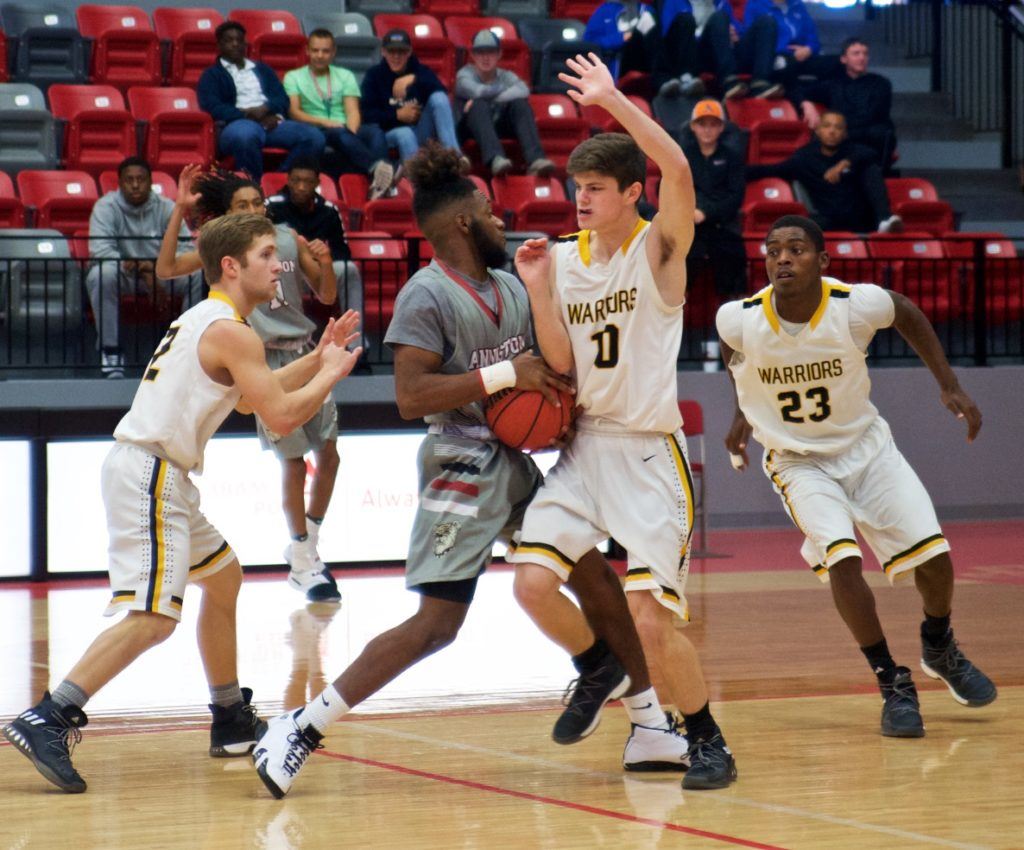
551,801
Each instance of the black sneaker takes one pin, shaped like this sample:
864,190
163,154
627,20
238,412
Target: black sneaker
586,696
46,734
901,711
967,684
236,728
711,765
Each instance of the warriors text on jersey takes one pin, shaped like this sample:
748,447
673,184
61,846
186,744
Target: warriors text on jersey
806,391
178,407
625,339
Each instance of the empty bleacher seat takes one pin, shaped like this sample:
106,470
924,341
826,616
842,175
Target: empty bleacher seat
28,135
775,130
383,269
125,48
99,132
12,210
442,9
601,121
764,201
60,199
370,8
551,43
45,292
515,9
177,131
560,125
849,259
275,37
1003,272
189,32
916,265
581,10
534,203
49,47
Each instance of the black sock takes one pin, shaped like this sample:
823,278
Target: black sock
590,658
319,520
299,538
701,725
935,630
881,661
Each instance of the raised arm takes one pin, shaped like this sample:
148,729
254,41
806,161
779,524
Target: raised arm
535,267
318,269
169,263
672,229
915,328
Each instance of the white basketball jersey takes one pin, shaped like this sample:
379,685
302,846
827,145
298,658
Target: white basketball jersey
625,339
807,392
178,407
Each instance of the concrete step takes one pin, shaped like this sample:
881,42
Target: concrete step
983,151
912,76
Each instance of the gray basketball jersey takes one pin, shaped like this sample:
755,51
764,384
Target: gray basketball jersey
283,319
440,310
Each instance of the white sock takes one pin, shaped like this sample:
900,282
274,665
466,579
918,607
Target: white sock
323,710
313,529
645,710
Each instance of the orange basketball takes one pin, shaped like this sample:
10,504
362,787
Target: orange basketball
524,419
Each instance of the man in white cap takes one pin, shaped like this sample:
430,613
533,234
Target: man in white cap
492,102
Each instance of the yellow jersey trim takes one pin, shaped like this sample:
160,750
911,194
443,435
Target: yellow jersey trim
217,295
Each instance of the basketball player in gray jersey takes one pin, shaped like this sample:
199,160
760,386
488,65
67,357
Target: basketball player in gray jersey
460,332
286,333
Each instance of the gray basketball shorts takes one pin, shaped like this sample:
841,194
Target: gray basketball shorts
312,436
472,493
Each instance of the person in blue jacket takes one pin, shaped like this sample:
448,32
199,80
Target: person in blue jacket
249,98
406,99
704,35
628,35
797,47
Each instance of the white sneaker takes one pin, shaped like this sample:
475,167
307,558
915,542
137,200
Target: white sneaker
309,574
381,178
893,224
112,364
691,86
282,751
650,750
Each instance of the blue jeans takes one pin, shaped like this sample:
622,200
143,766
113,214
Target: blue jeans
363,149
436,121
245,139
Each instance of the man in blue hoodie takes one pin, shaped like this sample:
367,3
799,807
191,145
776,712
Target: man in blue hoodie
250,99
797,47
407,100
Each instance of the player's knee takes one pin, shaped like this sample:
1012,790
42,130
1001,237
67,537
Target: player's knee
439,634
846,572
327,459
651,623
533,586
149,628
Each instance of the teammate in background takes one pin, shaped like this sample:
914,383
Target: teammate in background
796,353
286,332
209,362
608,302
460,332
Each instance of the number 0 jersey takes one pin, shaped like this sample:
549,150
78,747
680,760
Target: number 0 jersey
806,392
178,407
625,339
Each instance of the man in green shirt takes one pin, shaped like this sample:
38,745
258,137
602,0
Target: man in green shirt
327,97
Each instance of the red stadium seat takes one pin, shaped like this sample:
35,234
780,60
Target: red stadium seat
442,9
581,10
178,132
758,216
383,268
902,189
125,49
274,181
934,217
915,264
515,53
99,131
1004,271
560,125
163,184
775,129
392,215
275,38
772,189
429,42
600,121
849,257
534,203
62,199
4,74
12,210
190,35
424,250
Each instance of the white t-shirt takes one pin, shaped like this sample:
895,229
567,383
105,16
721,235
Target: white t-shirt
247,84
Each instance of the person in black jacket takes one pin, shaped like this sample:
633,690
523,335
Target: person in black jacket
843,179
718,179
407,100
865,98
250,99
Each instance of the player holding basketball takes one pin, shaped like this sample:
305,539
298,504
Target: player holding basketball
796,353
209,362
286,333
607,302
460,332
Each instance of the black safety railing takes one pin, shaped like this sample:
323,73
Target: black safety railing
970,288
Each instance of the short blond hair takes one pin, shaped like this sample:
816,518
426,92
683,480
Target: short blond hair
229,236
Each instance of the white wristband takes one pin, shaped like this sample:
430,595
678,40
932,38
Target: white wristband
498,376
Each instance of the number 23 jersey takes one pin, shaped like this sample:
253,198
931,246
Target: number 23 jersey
805,388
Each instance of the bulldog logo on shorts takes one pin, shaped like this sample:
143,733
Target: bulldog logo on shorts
444,537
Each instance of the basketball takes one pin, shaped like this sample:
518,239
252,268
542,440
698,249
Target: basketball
524,419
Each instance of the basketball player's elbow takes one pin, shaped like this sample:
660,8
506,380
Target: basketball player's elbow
410,407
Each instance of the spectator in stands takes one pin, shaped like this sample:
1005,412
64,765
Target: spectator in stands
326,96
797,47
125,230
492,101
250,99
704,35
718,181
406,99
865,98
300,206
629,37
843,180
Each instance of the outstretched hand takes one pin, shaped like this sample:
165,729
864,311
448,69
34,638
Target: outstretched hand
186,197
533,263
593,83
963,407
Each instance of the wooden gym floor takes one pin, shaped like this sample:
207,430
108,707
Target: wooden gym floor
457,754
